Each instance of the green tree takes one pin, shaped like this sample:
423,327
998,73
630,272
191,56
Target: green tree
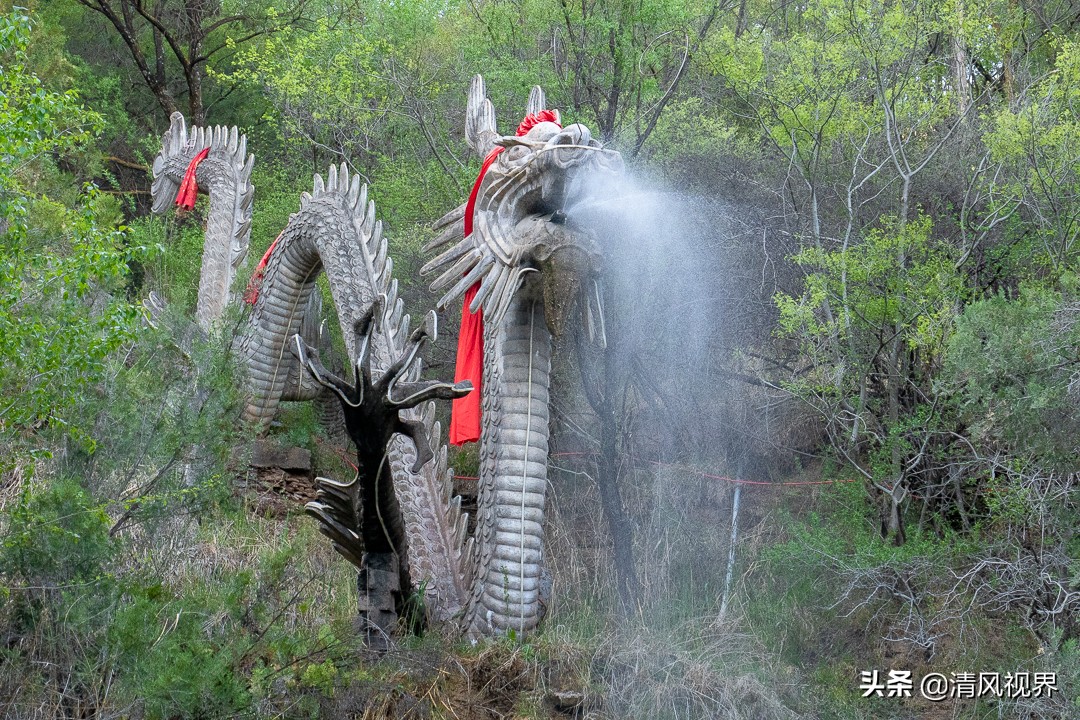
171,42
59,265
1013,369
1035,145
870,365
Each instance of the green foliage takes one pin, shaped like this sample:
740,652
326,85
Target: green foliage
824,85
1013,371
192,642
898,278
171,661
901,197
57,264
174,271
688,131
55,537
1037,143
871,317
356,89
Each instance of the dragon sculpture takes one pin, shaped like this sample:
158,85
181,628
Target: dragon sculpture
224,173
217,161
533,266
530,266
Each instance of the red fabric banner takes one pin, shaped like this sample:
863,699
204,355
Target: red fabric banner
189,187
465,411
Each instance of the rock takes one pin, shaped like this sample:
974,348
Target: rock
567,701
267,454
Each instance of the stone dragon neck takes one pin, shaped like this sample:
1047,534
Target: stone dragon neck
225,174
513,472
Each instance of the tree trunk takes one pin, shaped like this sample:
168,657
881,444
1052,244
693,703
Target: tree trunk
622,535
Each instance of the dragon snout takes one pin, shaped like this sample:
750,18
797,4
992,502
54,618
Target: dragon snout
576,134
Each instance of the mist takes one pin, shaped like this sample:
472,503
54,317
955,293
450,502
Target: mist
689,284
689,281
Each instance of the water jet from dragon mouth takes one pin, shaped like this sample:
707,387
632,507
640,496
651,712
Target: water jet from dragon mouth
689,284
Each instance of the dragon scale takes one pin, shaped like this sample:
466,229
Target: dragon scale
513,484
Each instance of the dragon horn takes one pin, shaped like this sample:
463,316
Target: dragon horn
480,118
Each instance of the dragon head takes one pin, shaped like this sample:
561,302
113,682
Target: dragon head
522,218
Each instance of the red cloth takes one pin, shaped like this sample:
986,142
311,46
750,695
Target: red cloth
251,293
189,187
465,411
